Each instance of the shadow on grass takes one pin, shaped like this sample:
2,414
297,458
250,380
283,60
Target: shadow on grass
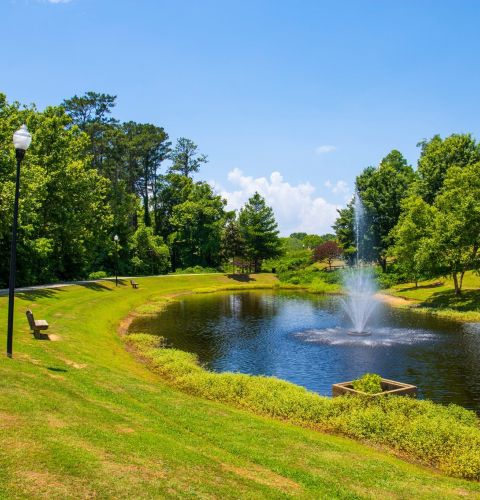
98,287
438,284
32,295
55,369
243,278
468,301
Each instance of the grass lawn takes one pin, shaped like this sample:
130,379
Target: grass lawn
79,417
441,300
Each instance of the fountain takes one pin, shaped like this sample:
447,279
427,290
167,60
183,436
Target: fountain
359,283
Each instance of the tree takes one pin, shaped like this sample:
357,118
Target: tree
438,156
382,190
328,251
146,147
311,241
197,225
149,253
344,227
259,230
64,218
185,157
411,235
298,236
92,114
172,190
233,245
455,237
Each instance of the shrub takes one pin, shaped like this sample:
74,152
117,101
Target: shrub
370,383
446,437
97,275
196,270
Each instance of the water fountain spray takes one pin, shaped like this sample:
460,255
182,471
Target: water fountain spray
359,283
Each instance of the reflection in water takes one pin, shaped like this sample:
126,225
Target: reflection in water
304,339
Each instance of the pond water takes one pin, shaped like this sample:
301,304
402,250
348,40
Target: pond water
303,339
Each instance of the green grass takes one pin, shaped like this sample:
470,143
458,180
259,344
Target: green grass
441,300
80,417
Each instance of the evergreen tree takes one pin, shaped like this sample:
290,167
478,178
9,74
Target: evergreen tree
233,244
259,230
185,157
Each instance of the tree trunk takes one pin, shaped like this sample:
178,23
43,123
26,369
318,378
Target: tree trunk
146,216
383,264
458,286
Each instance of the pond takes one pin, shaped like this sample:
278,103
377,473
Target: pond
303,338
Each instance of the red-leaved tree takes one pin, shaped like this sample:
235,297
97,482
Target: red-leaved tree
328,251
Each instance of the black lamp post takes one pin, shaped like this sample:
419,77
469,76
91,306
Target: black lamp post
116,238
21,141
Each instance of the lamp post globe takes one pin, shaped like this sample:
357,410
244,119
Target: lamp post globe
116,239
21,142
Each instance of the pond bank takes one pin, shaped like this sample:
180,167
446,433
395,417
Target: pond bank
396,423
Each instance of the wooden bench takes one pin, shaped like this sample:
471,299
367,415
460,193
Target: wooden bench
134,284
36,325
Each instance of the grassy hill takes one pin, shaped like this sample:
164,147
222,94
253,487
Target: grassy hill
80,417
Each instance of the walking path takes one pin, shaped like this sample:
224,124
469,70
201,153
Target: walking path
4,291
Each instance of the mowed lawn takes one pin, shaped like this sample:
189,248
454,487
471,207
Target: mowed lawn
438,296
81,418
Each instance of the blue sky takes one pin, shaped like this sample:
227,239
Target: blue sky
290,98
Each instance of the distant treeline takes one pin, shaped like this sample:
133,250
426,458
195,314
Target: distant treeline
88,177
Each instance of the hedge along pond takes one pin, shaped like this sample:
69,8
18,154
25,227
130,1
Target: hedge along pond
302,339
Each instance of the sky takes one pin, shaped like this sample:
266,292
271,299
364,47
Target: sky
289,98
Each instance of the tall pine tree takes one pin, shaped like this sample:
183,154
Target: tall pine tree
259,230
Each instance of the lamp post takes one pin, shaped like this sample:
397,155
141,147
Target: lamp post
21,141
116,238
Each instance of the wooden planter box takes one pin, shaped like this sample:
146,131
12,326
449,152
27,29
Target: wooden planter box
390,387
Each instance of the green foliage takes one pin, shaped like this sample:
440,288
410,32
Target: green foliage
442,238
185,157
370,383
344,227
196,270
97,275
197,225
64,218
259,231
438,156
410,234
382,190
149,253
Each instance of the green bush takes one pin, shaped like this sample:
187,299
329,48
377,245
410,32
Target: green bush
97,275
196,270
446,437
370,383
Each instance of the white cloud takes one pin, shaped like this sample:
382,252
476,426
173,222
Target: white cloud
296,207
340,187
326,148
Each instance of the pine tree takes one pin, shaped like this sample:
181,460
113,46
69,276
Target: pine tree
259,230
233,244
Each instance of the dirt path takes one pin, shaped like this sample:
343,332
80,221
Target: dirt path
393,300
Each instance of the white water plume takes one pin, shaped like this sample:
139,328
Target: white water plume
359,281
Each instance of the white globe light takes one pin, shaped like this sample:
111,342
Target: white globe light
116,238
22,138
